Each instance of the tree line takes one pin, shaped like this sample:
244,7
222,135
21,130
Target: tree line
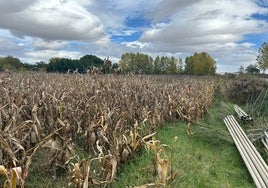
136,63
198,64
85,64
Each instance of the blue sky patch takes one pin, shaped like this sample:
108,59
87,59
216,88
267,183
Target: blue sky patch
137,22
260,17
258,38
133,30
262,3
117,39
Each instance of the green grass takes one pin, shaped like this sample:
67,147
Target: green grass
208,158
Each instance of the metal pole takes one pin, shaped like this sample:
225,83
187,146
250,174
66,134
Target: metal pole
251,150
251,168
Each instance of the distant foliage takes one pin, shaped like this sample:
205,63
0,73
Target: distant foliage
200,64
63,65
135,63
241,69
39,66
252,69
262,58
139,63
11,63
167,65
245,90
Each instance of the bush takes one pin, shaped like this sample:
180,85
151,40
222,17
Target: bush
245,90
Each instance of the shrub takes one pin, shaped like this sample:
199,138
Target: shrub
245,90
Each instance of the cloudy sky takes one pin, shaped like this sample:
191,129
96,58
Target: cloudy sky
231,31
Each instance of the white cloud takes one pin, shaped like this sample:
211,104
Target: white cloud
37,30
204,22
164,9
45,55
9,44
41,44
212,26
53,20
13,6
136,44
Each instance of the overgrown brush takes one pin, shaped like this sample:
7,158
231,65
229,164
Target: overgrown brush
259,109
107,117
243,90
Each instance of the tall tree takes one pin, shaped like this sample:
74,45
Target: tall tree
200,64
252,69
262,58
107,65
10,63
63,65
241,69
136,63
180,66
166,65
90,61
157,67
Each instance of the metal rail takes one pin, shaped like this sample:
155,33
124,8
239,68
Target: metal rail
242,114
253,160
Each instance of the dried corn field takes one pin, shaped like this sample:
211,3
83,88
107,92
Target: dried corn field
90,125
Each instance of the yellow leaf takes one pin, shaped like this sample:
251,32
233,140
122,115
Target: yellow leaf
162,168
3,171
15,174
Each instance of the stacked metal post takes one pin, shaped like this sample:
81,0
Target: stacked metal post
265,140
253,160
244,117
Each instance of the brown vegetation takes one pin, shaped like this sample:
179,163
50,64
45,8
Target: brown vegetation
89,125
243,90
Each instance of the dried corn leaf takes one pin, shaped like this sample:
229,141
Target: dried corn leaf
99,148
85,184
3,172
162,168
150,185
5,146
15,175
113,165
147,137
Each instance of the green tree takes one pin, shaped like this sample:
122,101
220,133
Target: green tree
88,61
107,66
252,69
164,60
262,58
41,66
166,65
63,65
11,63
241,69
156,66
200,64
180,66
136,63
170,65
